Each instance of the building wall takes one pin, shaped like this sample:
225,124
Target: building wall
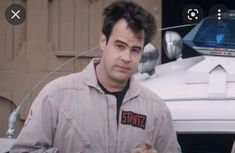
54,32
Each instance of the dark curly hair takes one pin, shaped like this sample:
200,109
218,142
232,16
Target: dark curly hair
138,19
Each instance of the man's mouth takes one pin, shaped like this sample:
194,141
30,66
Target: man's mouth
123,69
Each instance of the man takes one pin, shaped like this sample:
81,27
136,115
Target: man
102,109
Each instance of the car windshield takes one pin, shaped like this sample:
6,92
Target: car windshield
216,33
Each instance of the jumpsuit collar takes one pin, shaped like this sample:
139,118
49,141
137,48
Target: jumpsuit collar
90,79
89,74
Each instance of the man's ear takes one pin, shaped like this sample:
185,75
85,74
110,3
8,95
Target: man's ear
102,42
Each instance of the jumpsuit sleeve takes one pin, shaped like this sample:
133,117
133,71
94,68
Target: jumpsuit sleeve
37,135
166,140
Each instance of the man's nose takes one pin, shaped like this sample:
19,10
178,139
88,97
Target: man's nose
126,56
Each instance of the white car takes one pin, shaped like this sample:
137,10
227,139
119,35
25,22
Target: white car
199,91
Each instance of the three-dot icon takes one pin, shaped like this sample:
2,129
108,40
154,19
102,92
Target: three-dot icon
218,10
219,14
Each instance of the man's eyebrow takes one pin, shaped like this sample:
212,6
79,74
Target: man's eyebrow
122,42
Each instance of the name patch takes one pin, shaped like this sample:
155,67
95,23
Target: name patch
134,119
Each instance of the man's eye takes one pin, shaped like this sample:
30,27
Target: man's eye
120,46
136,51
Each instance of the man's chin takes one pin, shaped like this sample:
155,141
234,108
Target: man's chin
121,79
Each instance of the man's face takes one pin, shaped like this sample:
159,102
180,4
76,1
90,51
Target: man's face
121,53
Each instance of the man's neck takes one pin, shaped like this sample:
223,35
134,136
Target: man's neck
108,83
